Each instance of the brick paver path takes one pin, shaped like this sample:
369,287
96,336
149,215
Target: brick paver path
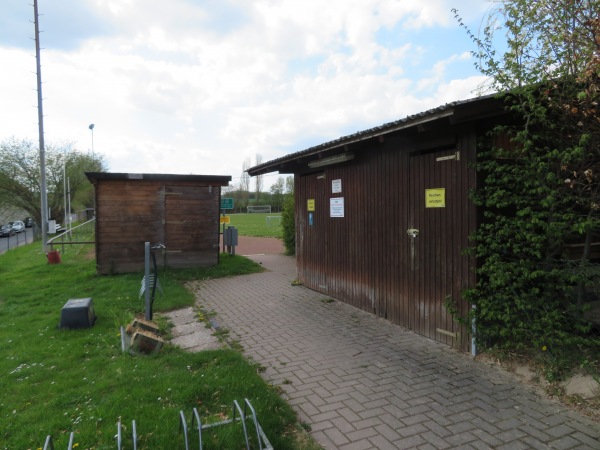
363,383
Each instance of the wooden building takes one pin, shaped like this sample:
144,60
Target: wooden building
383,216
179,211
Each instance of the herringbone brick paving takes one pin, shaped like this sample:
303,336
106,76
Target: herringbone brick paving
363,383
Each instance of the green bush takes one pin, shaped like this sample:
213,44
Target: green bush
288,223
530,290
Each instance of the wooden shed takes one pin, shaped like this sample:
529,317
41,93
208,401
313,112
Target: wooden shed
383,216
179,211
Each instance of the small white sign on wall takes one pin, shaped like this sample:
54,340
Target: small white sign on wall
336,207
336,186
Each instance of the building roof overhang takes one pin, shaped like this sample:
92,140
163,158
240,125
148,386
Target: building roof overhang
454,113
212,180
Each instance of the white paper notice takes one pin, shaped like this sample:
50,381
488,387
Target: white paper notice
336,186
336,207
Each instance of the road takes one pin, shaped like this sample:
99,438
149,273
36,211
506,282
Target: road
16,240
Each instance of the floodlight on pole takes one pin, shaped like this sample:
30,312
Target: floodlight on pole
91,127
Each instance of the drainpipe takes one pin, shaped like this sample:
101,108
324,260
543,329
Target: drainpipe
473,333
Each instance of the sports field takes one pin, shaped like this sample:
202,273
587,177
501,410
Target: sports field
257,224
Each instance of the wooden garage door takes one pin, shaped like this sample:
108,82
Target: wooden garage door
436,232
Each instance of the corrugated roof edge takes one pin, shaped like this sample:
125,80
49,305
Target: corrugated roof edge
414,119
216,179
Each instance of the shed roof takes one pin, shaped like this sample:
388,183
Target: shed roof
456,112
214,180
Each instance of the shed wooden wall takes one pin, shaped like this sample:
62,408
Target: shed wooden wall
367,258
184,216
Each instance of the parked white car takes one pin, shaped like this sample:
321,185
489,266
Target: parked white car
18,226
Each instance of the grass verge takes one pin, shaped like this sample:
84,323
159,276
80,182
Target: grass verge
60,381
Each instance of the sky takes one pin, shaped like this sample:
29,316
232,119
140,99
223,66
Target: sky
201,86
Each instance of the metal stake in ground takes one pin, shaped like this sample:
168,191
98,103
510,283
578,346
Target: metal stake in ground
148,308
150,279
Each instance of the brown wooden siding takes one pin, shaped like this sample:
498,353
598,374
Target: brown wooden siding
367,258
184,217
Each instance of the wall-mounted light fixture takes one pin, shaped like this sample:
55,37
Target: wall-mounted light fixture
336,159
455,156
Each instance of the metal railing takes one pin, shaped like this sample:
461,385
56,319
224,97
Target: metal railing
79,235
22,238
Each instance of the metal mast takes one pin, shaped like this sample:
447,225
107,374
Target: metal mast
44,192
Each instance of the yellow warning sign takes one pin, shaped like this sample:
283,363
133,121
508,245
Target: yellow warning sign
225,219
435,198
310,204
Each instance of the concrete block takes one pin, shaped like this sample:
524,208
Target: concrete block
77,313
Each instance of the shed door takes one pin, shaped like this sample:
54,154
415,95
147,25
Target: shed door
436,210
191,226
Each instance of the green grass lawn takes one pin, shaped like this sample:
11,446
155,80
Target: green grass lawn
257,224
60,381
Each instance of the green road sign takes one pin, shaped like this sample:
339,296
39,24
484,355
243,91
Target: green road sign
226,203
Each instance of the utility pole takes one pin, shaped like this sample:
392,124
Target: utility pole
69,197
65,190
44,191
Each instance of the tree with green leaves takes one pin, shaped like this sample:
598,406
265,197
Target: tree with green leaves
20,184
258,179
244,186
277,190
540,192
289,185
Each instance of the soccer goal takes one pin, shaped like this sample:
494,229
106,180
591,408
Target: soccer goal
273,220
259,209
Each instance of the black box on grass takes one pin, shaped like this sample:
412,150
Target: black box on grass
78,313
